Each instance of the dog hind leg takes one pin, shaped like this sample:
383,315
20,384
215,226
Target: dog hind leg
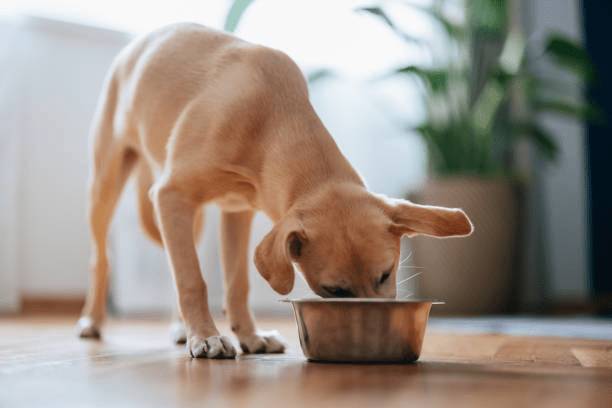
112,165
106,187
144,181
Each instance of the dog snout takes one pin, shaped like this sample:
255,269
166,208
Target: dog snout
336,292
331,291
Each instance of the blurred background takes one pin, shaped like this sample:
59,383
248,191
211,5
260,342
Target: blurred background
501,107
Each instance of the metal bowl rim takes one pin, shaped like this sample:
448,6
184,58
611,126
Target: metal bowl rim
361,300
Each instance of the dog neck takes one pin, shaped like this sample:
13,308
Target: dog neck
305,168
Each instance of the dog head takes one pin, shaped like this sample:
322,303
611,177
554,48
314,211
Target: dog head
346,242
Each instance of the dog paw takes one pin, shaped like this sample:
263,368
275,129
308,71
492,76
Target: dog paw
87,329
262,342
211,347
178,333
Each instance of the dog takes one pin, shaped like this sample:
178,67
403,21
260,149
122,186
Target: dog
203,117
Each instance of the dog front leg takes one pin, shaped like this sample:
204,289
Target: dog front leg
235,232
176,218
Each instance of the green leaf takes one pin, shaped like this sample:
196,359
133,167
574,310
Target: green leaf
487,104
235,13
434,140
487,16
511,58
378,12
384,17
584,111
494,91
319,74
436,79
543,85
540,137
570,55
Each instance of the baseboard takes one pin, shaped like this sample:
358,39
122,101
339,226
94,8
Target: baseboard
8,306
51,305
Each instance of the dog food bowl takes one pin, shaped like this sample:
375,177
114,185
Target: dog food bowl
361,330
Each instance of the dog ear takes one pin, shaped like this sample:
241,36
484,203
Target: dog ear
414,219
276,252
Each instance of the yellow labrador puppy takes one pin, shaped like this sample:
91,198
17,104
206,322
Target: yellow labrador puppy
204,117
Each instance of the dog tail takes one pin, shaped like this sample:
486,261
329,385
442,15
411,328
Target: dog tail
144,180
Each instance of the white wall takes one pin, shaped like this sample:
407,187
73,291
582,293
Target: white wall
57,70
10,99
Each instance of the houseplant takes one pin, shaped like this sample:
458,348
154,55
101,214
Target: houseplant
481,101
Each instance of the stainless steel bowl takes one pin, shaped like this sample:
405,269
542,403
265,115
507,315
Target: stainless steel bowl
361,330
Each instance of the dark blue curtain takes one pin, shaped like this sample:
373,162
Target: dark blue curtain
598,37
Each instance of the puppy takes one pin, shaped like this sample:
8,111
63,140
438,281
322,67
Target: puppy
203,117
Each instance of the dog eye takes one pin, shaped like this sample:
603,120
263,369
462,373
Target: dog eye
384,277
295,245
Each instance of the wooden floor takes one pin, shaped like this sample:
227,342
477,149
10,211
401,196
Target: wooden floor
43,364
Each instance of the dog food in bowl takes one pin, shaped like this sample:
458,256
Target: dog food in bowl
361,330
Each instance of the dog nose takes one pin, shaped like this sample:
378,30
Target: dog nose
336,292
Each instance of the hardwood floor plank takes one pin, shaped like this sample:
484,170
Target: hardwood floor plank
594,357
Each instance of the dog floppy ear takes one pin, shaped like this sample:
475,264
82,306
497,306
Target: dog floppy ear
276,252
414,219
